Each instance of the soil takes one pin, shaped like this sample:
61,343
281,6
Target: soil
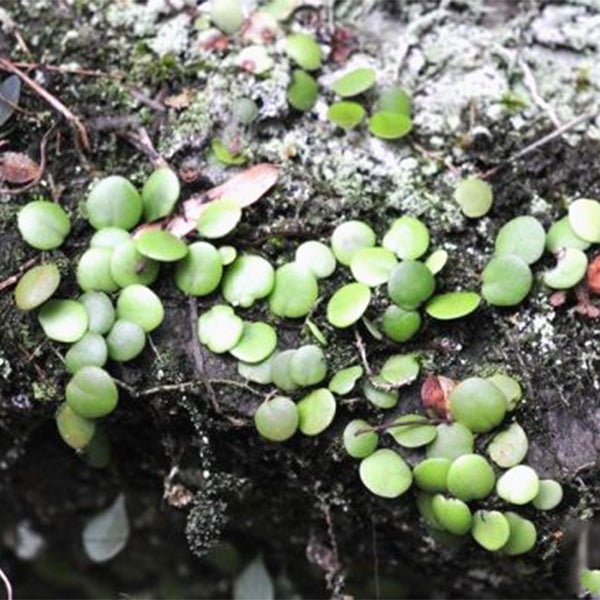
205,495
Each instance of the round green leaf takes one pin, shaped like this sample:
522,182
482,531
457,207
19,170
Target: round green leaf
257,342
199,272
259,372
452,305
219,218
125,341
100,311
524,237
295,291
518,485
139,304
584,218
63,320
89,351
474,196
436,261
399,324
470,477
549,495
400,369
490,529
408,237
416,431
451,441
129,266
507,280
160,245
394,99
281,371
75,430
302,49
248,279
510,387
308,366
350,237
425,507
43,224
93,271
354,82
509,447
109,237
303,91
477,404
522,537
382,396
316,411
114,202
227,15
431,474
590,580
276,419
453,514
160,194
348,304
317,258
244,110
385,473
410,284
228,254
359,445
92,393
343,381
561,235
346,114
220,329
570,269
372,266
390,125
36,286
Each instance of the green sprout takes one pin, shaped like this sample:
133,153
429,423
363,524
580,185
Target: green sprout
36,286
114,202
44,225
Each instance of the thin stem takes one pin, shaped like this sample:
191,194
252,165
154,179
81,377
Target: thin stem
394,424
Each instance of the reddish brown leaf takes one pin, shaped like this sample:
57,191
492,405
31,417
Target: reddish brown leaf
434,395
584,304
593,275
343,43
16,167
260,28
213,39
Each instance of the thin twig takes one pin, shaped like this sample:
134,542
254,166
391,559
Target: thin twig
531,84
9,66
393,424
67,70
238,384
7,585
10,281
169,387
362,352
140,139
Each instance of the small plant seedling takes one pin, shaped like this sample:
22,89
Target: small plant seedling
346,114
308,366
199,273
400,369
509,447
109,237
452,514
221,153
408,238
258,341
114,202
316,332
522,536
549,495
343,382
354,82
220,329
424,504
389,125
316,411
219,218
348,304
228,254
394,99
507,280
372,266
303,91
63,320
36,286
92,393
129,266
412,431
295,291
452,440
431,474
244,111
125,341
590,580
43,225
302,49
259,372
248,279
519,485
452,305
510,387
584,218
281,371
561,235
160,194
139,304
350,237
411,283
477,404
474,196
99,310
227,15
471,477
317,258
276,419
522,236
385,474
93,271
159,245
490,529
570,269
75,430
360,445
89,351
382,396
436,261
399,324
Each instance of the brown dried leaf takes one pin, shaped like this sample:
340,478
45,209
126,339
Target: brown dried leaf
435,393
16,167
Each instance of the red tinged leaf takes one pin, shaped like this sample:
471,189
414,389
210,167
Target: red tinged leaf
16,167
584,305
593,275
558,298
434,395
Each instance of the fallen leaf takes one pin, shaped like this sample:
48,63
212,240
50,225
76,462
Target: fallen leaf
10,92
343,43
106,534
593,275
584,304
16,167
434,394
